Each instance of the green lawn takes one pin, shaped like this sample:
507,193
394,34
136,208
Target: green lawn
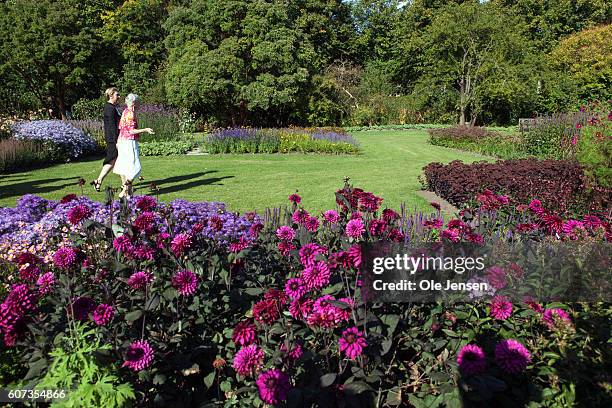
389,166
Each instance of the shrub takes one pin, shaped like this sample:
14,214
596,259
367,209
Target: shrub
560,185
88,109
17,155
594,150
167,148
70,141
93,129
478,139
165,121
551,136
307,140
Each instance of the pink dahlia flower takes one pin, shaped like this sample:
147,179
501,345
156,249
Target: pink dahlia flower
77,213
45,283
273,386
355,228
512,356
352,343
471,359
103,314
331,216
185,282
294,288
180,243
65,257
316,276
139,356
285,233
140,279
312,224
244,333
501,308
294,198
248,359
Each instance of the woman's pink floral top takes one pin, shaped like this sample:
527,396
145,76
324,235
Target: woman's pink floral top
128,122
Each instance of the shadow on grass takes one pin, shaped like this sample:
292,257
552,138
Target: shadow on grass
173,184
34,186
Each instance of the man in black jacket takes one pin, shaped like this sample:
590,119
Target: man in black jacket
111,132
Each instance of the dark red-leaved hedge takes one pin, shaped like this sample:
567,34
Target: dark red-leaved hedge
559,184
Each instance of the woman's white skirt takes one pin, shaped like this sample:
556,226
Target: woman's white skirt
128,159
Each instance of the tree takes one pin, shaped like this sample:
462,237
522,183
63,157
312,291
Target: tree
248,61
54,48
587,56
471,48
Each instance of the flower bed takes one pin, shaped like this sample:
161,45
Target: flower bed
247,140
560,185
478,139
63,139
189,304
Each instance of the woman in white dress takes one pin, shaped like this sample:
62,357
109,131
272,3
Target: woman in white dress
128,160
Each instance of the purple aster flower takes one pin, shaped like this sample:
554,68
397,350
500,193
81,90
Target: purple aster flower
512,356
139,356
471,359
185,282
273,386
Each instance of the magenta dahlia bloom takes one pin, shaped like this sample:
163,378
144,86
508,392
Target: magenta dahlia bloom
294,288
536,206
316,276
554,317
471,359
389,215
312,224
285,233
573,228
501,308
241,245
309,252
180,243
301,308
65,257
553,223
452,234
355,228
29,273
354,255
144,252
286,247
294,198
244,333
77,213
496,276
139,356
123,244
145,221
103,314
146,203
273,386
45,283
533,305
139,280
331,216
591,221
300,216
352,343
512,356
292,353
82,307
377,227
21,299
248,359
185,282
266,311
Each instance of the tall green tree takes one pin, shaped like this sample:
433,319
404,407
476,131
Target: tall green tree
55,48
248,61
471,49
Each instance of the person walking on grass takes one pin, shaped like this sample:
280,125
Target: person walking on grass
111,132
127,164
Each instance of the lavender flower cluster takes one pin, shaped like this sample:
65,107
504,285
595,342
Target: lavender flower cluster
72,141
